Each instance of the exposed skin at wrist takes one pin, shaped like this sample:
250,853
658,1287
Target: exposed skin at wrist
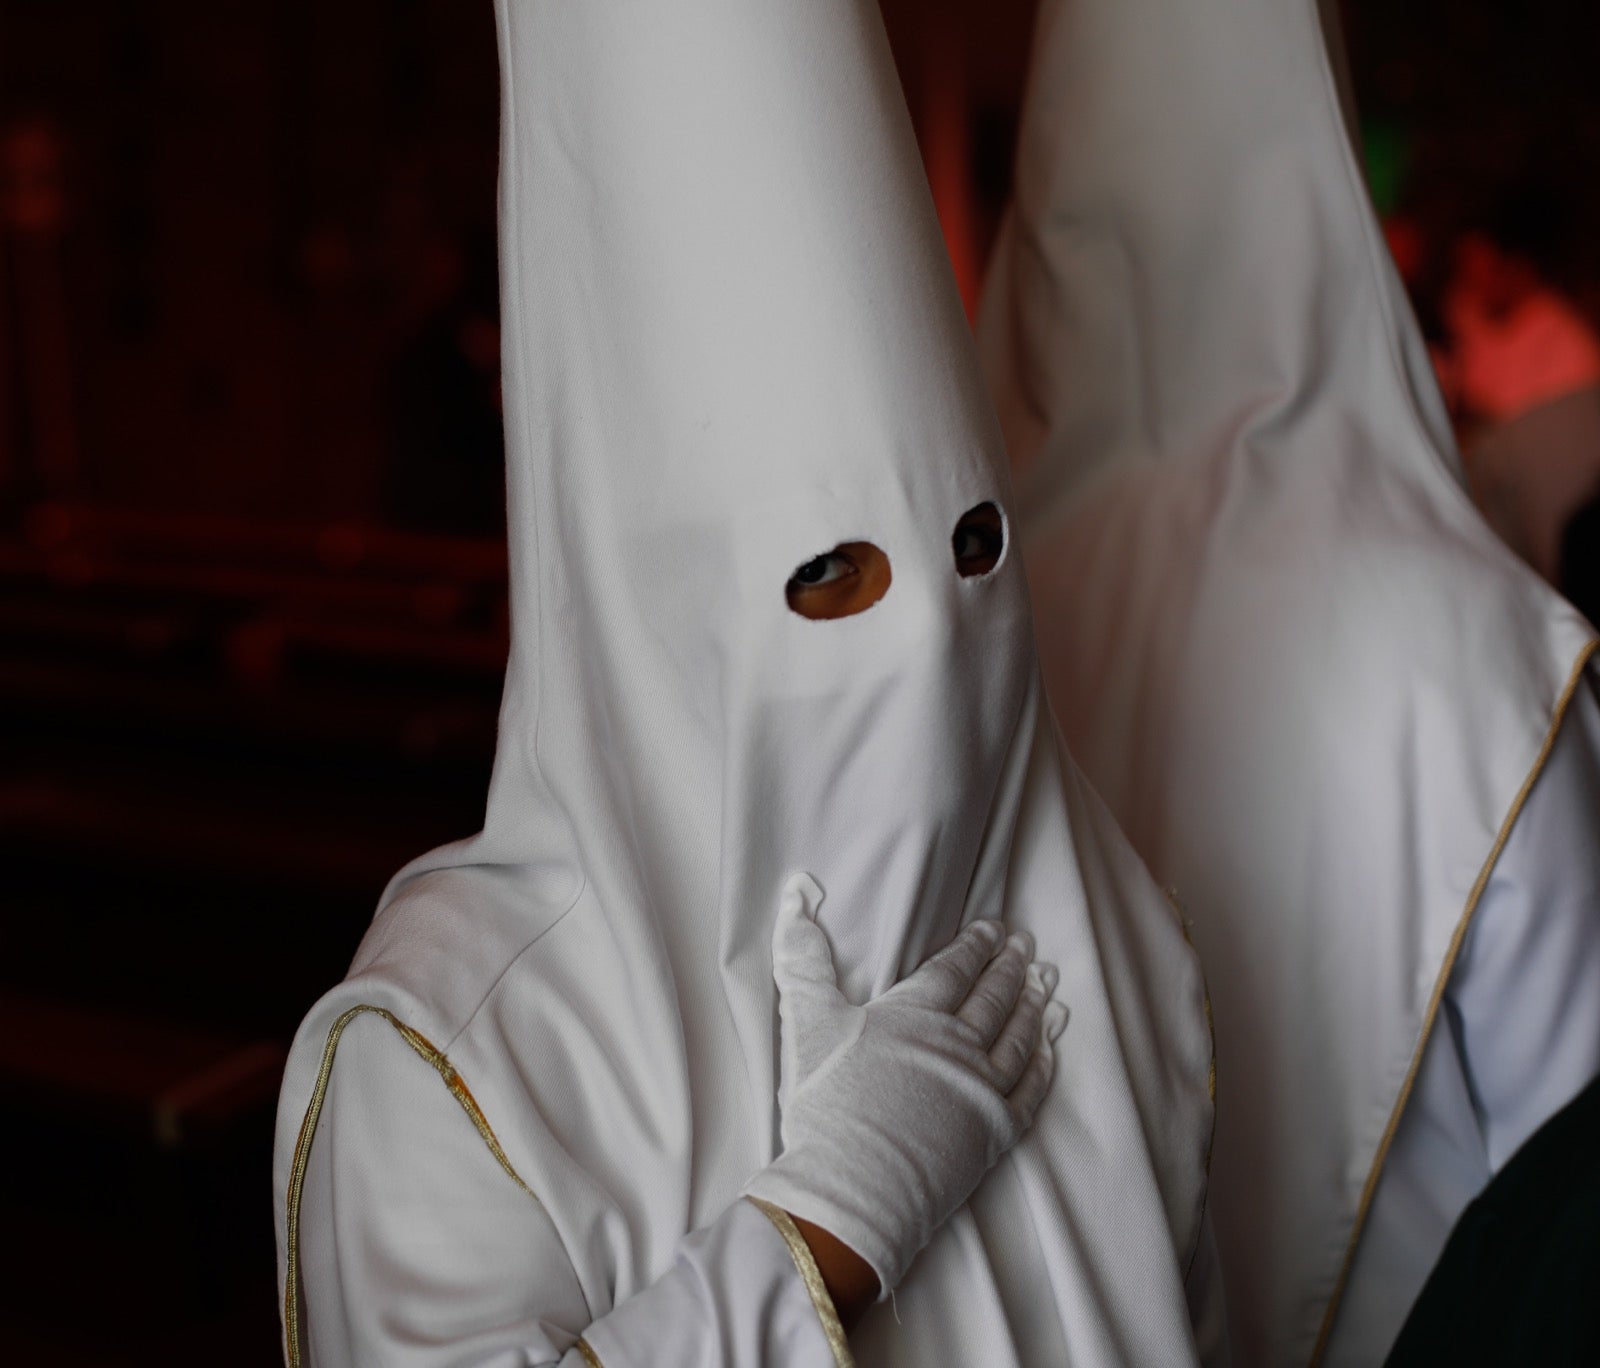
848,1277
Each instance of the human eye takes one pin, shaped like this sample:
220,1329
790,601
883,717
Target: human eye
847,580
822,570
978,540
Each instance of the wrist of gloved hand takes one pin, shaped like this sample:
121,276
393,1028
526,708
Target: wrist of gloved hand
894,1112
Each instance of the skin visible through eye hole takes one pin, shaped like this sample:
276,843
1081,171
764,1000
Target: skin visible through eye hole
978,541
845,581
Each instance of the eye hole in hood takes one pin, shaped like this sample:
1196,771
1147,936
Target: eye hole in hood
978,541
840,583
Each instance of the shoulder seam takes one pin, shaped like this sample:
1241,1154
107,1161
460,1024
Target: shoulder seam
516,959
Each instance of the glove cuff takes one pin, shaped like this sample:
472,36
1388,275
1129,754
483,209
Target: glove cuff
809,1192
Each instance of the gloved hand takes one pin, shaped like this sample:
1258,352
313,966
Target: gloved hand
893,1112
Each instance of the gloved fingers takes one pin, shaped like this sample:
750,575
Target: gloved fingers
802,959
1024,1099
1020,1037
943,981
995,995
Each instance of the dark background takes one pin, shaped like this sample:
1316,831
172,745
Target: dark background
252,610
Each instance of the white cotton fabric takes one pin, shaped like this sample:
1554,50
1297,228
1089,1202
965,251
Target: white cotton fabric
1306,677
732,342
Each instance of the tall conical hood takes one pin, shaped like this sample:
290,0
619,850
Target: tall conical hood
733,344
1307,679
1191,249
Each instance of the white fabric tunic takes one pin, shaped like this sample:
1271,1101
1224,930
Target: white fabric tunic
1308,680
519,1130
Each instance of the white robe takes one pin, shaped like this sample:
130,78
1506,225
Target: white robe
1317,692
475,1047
520,1128
434,1255
1518,1040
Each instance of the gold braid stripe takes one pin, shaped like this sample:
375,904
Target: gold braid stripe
811,1276
1432,1013
308,1129
589,1356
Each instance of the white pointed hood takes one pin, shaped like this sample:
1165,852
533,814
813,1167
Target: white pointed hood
733,343
1304,675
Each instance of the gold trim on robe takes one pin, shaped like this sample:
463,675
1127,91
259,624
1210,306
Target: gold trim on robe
308,1129
811,1276
1429,1017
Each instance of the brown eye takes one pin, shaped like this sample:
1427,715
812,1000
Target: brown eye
978,540
847,580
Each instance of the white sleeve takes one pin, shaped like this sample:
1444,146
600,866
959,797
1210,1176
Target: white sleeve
417,1249
1526,989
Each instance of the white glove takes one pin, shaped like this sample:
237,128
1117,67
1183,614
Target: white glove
893,1112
